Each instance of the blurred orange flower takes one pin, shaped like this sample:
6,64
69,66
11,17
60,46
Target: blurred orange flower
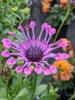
66,73
46,5
69,48
63,3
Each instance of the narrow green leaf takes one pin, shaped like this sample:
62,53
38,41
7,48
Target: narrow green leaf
40,89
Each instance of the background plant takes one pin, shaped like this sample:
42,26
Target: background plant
12,13
20,87
57,14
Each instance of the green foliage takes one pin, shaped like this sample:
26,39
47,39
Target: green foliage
23,95
52,95
20,87
40,89
12,12
57,15
72,61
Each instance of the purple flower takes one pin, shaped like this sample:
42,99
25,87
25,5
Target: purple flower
32,50
72,1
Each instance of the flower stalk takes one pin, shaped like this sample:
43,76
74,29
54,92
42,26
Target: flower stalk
35,83
65,18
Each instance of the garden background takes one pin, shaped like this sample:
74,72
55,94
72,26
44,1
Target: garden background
38,83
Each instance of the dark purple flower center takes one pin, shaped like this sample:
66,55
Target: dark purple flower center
34,54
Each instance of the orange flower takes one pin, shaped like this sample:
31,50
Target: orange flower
45,8
46,5
69,48
66,73
63,3
47,1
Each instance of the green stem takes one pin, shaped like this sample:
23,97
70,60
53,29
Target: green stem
7,90
35,82
18,84
65,18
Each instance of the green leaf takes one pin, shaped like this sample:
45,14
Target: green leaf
22,92
49,97
3,99
39,79
46,98
23,95
2,92
40,89
60,70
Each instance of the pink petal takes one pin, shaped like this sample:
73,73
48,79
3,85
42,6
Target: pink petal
11,33
20,27
62,43
32,24
47,51
38,70
44,25
48,28
6,42
61,56
19,69
27,71
47,71
52,31
11,61
5,53
53,69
